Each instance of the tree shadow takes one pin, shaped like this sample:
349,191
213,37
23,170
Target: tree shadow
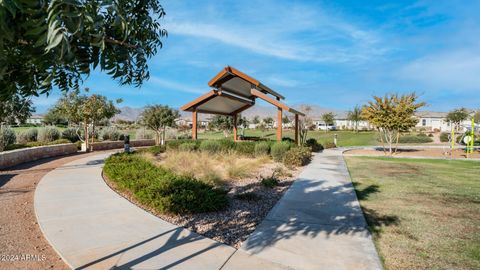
314,207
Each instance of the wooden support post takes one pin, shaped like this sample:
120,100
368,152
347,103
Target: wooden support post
279,124
234,127
296,129
194,124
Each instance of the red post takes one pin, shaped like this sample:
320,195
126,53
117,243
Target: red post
296,129
194,124
234,127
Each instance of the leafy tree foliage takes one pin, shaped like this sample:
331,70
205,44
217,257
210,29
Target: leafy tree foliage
329,119
16,109
158,118
222,122
47,43
268,122
457,116
476,117
55,117
256,120
392,115
86,111
355,116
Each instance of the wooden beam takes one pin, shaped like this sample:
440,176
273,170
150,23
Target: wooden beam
194,124
234,127
199,101
279,123
242,109
296,129
268,99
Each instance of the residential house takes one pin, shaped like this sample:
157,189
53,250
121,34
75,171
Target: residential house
36,119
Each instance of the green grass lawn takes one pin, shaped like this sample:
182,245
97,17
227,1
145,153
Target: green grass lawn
424,214
344,138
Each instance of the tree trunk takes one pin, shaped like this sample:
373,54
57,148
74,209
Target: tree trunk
85,130
163,137
157,137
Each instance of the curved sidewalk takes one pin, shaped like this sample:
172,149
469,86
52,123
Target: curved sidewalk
92,227
317,224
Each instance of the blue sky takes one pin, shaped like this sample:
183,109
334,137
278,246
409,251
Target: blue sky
334,54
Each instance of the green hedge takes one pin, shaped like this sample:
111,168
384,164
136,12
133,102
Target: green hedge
297,156
246,148
160,188
262,149
279,149
415,139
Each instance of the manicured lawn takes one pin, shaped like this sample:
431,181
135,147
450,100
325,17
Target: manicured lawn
424,214
344,138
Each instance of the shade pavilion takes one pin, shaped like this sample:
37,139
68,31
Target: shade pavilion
232,93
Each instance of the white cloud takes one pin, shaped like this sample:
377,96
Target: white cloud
157,82
455,70
310,34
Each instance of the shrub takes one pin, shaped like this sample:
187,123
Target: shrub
415,139
143,134
48,134
278,150
7,137
297,156
288,139
328,145
270,182
155,150
226,145
262,149
188,146
70,134
247,196
211,146
245,148
314,145
161,189
175,144
29,135
444,136
111,134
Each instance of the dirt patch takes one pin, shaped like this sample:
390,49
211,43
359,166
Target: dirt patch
233,225
22,244
433,152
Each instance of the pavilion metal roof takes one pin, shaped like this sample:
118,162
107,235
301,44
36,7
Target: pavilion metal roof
234,92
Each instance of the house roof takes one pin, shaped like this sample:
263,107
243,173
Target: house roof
428,114
234,92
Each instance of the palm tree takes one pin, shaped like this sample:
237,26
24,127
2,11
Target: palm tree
355,116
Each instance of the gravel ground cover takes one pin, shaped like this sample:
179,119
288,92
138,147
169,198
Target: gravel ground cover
249,203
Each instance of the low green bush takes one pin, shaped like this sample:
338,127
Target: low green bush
211,146
70,134
175,144
297,156
262,149
34,144
48,134
270,182
328,145
226,145
156,149
245,148
160,188
29,135
7,137
111,134
188,146
415,139
278,150
314,145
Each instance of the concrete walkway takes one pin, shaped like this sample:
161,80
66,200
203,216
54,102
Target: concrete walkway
92,227
318,224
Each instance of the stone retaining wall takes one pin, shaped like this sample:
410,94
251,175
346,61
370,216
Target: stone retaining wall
119,144
18,156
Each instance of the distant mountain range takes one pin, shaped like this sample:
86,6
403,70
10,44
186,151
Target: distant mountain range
132,114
